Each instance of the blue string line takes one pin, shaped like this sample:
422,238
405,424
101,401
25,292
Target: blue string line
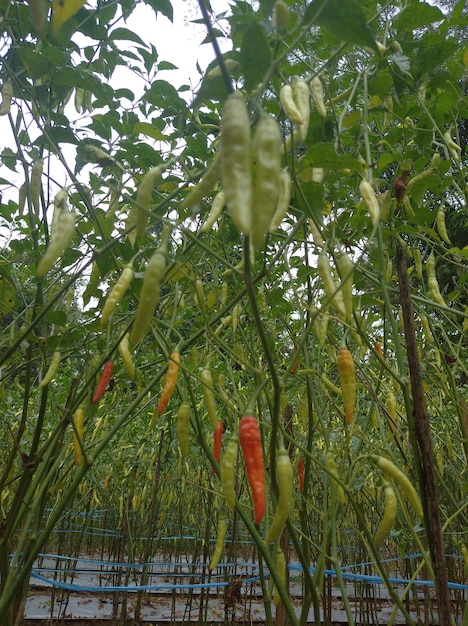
368,578
130,588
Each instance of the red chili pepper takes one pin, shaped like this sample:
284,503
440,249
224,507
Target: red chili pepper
171,381
300,473
347,378
251,444
103,381
217,439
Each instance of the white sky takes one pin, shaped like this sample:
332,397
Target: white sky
178,42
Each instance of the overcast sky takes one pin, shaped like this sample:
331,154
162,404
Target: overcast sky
178,42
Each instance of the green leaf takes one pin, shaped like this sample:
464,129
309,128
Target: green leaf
324,155
150,131
57,317
166,65
59,134
124,93
267,7
128,35
345,19
162,6
211,89
401,61
34,62
9,159
255,55
417,15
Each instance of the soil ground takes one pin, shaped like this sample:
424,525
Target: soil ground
81,597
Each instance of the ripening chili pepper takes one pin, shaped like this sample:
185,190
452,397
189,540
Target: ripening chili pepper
60,204
236,311
332,469
136,502
22,195
331,290
432,282
427,329
226,399
419,178
371,202
388,272
103,381
281,569
38,10
200,299
388,115
441,227
284,479
267,156
222,528
78,426
329,385
291,109
347,377
78,100
252,450
454,149
316,234
392,471
230,65
227,468
316,89
217,207
207,388
171,381
284,198
235,161
205,185
224,293
378,349
389,514
144,197
36,185
18,386
417,262
60,239
117,293
183,425
304,411
126,356
7,95
301,95
281,16
300,473
149,294
52,369
391,406
408,207
225,321
217,441
346,270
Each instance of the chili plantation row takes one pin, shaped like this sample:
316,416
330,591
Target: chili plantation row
234,314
